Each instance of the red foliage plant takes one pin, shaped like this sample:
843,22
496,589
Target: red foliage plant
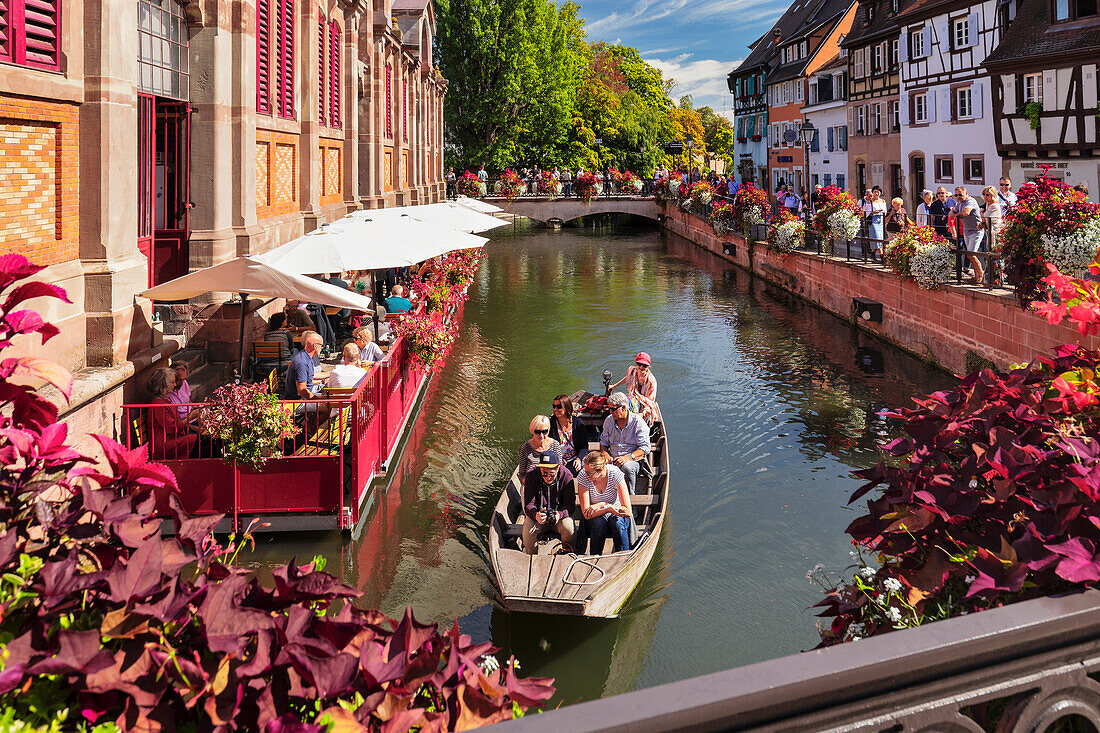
103,620
831,201
992,496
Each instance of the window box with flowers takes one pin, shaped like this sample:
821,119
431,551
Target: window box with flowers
756,138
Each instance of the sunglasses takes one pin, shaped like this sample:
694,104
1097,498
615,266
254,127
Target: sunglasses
642,366
941,193
1005,185
541,432
558,406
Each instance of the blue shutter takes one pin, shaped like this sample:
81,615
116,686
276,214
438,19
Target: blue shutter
840,181
828,178
843,137
829,140
815,143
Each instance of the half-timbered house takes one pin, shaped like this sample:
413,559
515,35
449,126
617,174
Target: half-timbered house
750,109
874,123
947,125
806,38
1045,83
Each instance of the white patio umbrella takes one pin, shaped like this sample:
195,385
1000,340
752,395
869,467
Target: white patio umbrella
368,243
478,205
446,214
252,276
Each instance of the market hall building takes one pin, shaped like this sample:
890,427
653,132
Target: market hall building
142,139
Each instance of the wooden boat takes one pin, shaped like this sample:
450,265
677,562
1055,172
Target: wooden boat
578,585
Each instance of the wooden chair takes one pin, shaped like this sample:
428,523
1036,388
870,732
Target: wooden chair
398,316
270,354
139,428
338,392
328,438
273,382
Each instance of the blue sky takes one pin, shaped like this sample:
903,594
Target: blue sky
695,42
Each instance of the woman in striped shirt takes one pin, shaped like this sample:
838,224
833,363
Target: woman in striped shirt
605,502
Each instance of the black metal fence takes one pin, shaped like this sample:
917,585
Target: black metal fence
864,248
1032,666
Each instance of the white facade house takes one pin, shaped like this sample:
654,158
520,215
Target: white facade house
946,105
826,109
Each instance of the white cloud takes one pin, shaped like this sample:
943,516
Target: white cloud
687,13
703,79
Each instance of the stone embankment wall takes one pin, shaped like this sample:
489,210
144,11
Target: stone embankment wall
959,327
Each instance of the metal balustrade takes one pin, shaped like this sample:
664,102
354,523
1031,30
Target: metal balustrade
1030,667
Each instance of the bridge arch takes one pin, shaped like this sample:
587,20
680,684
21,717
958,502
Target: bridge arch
544,209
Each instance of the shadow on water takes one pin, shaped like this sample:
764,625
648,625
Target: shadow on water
770,404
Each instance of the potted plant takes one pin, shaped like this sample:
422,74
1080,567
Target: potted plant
249,422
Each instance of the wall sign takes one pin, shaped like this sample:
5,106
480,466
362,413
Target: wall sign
786,158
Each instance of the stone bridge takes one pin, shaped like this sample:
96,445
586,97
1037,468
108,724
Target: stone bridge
545,209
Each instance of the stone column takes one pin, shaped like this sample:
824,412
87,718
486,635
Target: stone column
114,267
309,168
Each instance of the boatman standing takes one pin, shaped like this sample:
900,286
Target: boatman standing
625,437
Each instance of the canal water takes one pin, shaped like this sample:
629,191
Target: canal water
769,405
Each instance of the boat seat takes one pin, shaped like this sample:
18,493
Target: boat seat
645,500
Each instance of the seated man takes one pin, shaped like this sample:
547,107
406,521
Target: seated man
299,375
397,302
625,437
369,352
348,373
549,498
297,319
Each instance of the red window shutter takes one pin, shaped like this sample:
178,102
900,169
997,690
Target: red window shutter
321,69
334,78
389,102
405,109
38,44
286,58
263,56
5,30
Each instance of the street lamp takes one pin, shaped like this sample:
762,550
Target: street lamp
688,142
807,131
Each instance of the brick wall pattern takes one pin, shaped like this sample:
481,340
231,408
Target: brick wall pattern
332,172
39,174
950,325
263,180
280,174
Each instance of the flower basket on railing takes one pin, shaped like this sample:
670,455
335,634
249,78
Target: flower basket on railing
511,185
721,216
1051,222
250,423
587,187
625,181
750,207
921,254
427,336
548,185
838,215
785,232
702,193
470,185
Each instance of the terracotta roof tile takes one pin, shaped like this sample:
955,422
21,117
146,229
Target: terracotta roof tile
1032,38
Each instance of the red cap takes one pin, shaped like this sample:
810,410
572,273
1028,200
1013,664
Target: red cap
642,358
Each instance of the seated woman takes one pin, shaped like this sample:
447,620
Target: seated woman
641,388
605,503
569,430
169,437
540,442
369,351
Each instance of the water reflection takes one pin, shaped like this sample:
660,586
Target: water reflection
770,404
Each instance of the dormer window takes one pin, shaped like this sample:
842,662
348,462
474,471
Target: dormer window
1065,10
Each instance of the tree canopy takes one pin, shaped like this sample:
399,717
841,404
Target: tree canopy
527,88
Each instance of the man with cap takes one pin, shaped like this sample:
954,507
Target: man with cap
625,437
549,498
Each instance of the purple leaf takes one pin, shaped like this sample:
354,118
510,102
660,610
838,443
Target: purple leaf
1080,563
139,576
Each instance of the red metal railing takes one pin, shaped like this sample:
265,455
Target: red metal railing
344,442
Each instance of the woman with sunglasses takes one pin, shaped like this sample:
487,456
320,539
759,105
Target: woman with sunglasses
641,388
540,442
605,503
568,429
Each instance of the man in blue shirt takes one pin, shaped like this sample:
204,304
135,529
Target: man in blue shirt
625,437
397,302
300,374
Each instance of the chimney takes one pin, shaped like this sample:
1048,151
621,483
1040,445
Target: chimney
777,36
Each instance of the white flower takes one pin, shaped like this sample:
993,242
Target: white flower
867,572
970,579
892,584
489,663
893,614
931,265
754,215
973,483
853,554
843,225
788,236
1074,251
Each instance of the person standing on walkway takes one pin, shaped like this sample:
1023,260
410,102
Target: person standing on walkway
1005,195
923,214
941,210
874,212
897,221
482,174
452,191
969,218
